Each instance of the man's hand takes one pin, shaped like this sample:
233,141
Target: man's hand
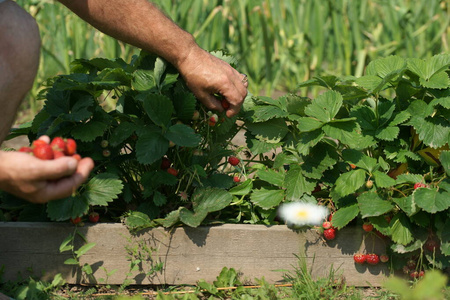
206,75
40,181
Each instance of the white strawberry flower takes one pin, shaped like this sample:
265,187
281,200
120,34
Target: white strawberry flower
302,213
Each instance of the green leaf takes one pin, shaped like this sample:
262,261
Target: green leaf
89,131
136,220
325,107
401,229
123,131
445,161
84,249
184,104
171,218
182,135
359,159
346,132
242,189
271,131
383,180
267,112
190,218
433,132
143,80
371,205
71,261
271,176
350,182
64,209
297,184
407,205
65,244
345,215
210,199
431,200
306,124
437,81
159,199
322,157
102,189
267,198
159,108
150,147
384,66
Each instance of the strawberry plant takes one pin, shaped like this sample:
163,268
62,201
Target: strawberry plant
360,148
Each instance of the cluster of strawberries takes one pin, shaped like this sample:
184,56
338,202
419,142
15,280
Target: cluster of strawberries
58,147
329,231
370,258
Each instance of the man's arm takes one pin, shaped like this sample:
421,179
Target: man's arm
141,24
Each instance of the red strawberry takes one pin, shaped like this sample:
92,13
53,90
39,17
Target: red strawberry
71,147
326,225
367,227
75,221
94,217
58,154
165,163
233,160
431,245
414,274
38,143
411,264
384,258
172,171
236,179
329,234
419,185
44,152
359,258
352,166
196,115
58,144
372,259
225,104
26,150
214,118
421,273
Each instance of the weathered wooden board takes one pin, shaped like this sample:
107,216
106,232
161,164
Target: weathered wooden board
187,254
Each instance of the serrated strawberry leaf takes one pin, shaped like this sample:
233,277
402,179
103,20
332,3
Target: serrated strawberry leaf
89,131
182,135
445,161
123,131
64,209
210,199
102,189
150,147
143,80
267,112
192,219
372,205
407,205
350,182
347,133
398,248
306,124
267,198
158,107
359,159
345,215
434,132
82,109
271,131
383,180
297,184
383,67
401,229
411,178
325,107
184,104
271,176
242,189
136,220
431,200
322,157
172,218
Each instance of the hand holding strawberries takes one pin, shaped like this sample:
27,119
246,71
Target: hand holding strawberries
32,178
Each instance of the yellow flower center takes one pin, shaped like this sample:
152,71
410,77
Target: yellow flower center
302,214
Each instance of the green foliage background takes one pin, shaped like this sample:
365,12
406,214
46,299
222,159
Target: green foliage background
277,43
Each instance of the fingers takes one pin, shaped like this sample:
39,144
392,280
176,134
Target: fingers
66,186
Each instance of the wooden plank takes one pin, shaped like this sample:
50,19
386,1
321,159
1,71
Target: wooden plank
187,254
